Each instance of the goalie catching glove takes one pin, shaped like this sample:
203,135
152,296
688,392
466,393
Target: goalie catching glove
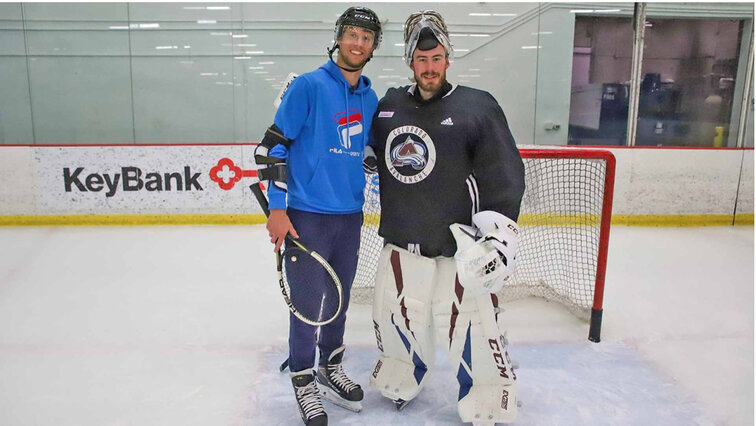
486,252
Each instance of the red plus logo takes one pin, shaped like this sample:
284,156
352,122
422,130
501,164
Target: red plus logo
226,174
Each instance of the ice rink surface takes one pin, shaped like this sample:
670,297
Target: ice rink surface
184,325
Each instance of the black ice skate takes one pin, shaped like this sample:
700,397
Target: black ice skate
308,399
335,386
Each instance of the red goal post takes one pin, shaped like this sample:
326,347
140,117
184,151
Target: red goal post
564,223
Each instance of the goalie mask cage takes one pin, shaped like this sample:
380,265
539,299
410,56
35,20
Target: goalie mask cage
564,232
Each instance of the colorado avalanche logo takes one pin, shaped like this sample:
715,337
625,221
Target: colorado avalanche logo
410,154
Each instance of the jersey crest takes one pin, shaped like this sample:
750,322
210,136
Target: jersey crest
410,154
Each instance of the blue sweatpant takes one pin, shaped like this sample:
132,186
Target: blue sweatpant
336,237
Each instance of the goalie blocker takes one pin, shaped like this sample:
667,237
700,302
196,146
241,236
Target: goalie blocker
418,302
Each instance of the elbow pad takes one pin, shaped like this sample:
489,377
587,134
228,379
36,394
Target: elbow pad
272,169
273,136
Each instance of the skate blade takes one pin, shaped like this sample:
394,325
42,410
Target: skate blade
332,397
401,404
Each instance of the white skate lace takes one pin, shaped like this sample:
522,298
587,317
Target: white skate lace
338,376
310,400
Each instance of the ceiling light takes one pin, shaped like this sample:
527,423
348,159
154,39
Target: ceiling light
142,26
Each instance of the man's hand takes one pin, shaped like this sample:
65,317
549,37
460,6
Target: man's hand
278,226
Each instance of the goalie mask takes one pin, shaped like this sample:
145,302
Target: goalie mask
486,253
425,30
361,17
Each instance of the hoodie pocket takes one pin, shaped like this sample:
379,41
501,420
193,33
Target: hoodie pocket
338,183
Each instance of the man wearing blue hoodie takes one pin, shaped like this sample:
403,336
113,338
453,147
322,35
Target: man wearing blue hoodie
321,129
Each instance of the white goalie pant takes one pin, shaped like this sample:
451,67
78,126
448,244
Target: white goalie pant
418,302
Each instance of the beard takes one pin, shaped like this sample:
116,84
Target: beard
431,86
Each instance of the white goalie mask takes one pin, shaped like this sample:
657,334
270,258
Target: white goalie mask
486,252
414,26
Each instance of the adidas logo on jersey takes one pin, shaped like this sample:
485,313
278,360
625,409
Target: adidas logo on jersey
447,122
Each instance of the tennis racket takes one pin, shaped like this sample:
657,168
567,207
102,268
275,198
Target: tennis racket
309,285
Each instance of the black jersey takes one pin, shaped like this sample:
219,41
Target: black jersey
439,162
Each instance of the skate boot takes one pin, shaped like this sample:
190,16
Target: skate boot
308,399
335,386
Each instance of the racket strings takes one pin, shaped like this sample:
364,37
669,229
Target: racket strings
311,285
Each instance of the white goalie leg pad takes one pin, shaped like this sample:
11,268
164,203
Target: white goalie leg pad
402,322
467,322
489,404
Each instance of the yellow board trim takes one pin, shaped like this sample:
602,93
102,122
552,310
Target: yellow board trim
370,219
683,220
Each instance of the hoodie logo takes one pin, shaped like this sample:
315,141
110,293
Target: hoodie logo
349,125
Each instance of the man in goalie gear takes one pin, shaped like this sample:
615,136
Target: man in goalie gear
451,183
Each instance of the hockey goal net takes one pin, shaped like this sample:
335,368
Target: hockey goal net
564,232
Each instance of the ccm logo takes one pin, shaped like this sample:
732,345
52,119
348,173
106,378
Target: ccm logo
377,368
378,335
498,358
513,229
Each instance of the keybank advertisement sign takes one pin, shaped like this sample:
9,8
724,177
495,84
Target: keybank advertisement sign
145,179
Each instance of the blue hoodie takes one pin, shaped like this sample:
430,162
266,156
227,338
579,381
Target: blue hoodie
329,125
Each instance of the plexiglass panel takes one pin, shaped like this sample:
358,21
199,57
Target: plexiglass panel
81,100
688,87
600,83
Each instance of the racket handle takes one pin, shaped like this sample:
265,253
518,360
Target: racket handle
255,187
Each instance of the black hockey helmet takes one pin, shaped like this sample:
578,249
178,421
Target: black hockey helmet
358,17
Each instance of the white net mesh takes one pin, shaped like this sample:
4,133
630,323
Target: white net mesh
560,232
